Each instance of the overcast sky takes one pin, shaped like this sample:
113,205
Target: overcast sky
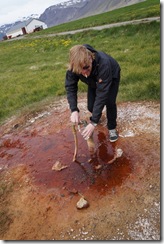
12,10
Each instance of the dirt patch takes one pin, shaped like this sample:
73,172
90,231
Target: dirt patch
39,203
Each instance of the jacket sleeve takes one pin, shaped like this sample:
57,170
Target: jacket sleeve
102,91
71,86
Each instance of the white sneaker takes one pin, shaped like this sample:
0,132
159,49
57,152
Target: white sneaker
113,135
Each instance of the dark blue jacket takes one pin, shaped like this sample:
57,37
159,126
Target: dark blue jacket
105,70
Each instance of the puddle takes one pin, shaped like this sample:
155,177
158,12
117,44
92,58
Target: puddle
88,172
48,139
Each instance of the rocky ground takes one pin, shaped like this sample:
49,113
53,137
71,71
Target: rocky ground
39,203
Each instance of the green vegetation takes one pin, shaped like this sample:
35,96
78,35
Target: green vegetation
149,8
33,69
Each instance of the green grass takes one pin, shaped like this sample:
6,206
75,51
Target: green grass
33,70
148,8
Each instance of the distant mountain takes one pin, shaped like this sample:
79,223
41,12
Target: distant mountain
76,9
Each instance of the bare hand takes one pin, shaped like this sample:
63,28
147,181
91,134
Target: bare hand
75,118
87,132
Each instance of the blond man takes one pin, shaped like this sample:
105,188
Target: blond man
101,73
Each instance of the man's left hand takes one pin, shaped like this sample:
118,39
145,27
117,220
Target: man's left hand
87,132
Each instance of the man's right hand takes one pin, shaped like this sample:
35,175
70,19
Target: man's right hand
75,118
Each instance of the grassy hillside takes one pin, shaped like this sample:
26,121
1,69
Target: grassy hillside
33,70
148,8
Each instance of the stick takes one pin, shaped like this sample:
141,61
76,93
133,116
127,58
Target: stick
76,142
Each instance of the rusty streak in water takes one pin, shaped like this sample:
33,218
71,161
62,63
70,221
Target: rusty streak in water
40,153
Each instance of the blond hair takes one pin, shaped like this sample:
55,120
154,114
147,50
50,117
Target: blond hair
79,56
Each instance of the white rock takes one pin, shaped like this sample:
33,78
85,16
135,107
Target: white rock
82,203
119,153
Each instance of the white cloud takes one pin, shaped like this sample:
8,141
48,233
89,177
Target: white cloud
12,10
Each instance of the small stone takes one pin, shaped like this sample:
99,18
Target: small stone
16,126
82,203
58,166
98,166
119,153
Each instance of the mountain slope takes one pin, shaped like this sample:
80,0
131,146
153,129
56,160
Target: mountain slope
76,9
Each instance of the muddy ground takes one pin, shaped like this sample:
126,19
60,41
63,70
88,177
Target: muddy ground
38,203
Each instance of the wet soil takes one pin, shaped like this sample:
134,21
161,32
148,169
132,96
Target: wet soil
39,203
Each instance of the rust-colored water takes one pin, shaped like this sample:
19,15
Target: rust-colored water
40,152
